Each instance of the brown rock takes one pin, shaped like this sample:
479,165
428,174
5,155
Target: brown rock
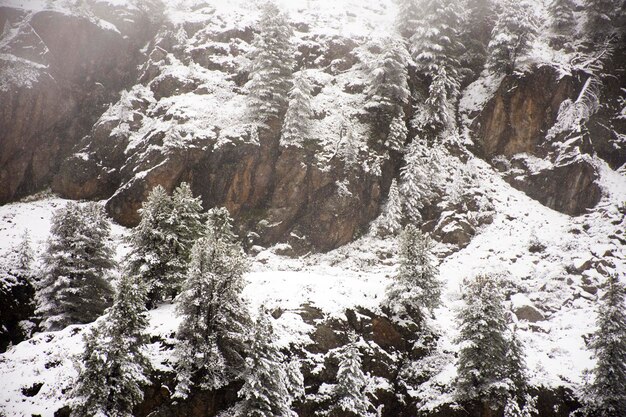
529,313
515,122
523,109
41,120
385,334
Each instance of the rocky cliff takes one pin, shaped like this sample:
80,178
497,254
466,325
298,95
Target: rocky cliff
106,101
59,71
182,118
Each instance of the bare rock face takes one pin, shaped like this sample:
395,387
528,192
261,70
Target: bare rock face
56,74
513,131
525,106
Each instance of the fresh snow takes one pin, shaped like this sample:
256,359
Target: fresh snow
358,273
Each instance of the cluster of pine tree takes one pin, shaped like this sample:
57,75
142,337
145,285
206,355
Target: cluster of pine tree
179,253
275,92
217,341
491,368
75,287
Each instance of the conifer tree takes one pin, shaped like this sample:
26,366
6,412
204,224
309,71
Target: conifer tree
349,395
416,287
417,178
219,225
349,146
562,14
605,396
388,90
25,254
407,16
272,65
296,126
215,322
476,32
114,366
513,408
435,44
161,243
435,48
601,17
187,212
268,389
439,112
483,365
397,133
152,245
75,287
389,221
516,362
515,29
519,402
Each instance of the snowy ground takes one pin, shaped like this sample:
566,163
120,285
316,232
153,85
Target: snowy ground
357,275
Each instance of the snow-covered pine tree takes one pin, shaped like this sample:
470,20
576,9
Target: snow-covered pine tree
389,221
440,105
272,65
388,90
515,29
349,395
349,147
435,48
483,366
267,390
407,16
219,225
296,126
397,133
114,366
519,402
476,31
562,15
215,323
417,178
416,287
605,395
161,243
78,260
152,242
516,362
601,17
435,43
187,212
513,408
25,254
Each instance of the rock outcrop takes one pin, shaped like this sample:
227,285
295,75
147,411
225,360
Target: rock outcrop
513,131
306,196
543,129
57,71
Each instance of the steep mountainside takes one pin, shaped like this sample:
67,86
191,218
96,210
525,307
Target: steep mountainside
105,99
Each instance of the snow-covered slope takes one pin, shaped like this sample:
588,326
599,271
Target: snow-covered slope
549,261
184,119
